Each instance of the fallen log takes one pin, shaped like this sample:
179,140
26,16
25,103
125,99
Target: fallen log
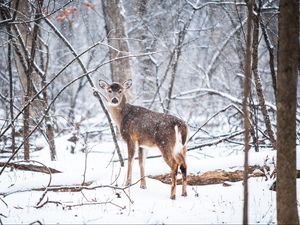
30,167
213,177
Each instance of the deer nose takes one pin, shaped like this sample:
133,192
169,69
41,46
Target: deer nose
114,100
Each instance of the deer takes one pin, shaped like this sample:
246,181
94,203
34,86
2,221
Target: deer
142,128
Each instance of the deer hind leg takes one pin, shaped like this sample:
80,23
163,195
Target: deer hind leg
183,169
142,167
174,170
172,163
131,151
184,180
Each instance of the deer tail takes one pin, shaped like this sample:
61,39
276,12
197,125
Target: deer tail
181,138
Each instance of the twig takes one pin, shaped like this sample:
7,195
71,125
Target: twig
217,113
69,206
4,202
47,201
72,188
36,222
0,218
42,197
215,142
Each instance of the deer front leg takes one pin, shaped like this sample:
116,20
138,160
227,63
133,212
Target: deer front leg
142,169
131,151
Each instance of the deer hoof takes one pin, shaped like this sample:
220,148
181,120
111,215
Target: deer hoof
184,194
173,197
143,186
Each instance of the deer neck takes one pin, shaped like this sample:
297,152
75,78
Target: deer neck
116,112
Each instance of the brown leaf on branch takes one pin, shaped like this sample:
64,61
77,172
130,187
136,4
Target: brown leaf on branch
89,5
66,13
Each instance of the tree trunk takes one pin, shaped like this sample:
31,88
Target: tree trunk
48,121
29,76
11,87
24,48
175,58
117,40
247,88
257,80
286,197
23,67
271,57
146,68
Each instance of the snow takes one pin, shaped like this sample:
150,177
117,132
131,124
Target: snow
209,204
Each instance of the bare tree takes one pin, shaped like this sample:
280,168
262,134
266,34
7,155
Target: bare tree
117,39
247,88
11,87
175,55
257,79
44,64
24,37
25,63
288,53
145,66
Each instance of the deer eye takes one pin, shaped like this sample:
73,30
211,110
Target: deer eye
109,91
120,91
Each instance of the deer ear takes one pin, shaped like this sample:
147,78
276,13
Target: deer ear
127,84
103,84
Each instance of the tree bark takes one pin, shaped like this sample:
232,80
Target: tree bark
146,68
11,87
271,57
29,92
247,88
257,80
286,197
48,121
117,40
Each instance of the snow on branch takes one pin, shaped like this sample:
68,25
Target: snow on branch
195,92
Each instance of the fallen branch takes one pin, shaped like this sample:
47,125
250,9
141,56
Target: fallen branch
70,206
75,188
30,167
70,188
213,177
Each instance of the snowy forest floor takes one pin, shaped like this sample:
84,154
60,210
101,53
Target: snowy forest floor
218,203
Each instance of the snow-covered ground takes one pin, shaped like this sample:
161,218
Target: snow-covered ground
204,204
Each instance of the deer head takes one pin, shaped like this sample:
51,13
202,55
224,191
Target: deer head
115,91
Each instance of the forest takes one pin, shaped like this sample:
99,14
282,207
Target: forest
227,68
